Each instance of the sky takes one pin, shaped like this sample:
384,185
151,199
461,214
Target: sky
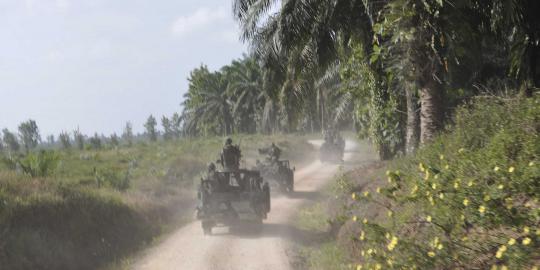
95,64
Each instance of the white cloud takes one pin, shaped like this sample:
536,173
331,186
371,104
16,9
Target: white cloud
55,56
40,5
30,4
62,5
230,35
100,48
201,18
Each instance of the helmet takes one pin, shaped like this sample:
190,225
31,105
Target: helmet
228,141
211,166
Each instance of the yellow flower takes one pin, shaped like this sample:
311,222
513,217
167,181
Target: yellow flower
481,209
526,230
427,175
428,218
526,241
511,169
441,157
501,186
392,243
504,267
456,185
462,217
441,196
466,202
366,193
387,235
359,267
387,173
470,184
487,198
511,242
496,168
431,254
378,266
464,238
461,150
389,179
534,268
369,251
353,195
421,167
500,252
431,201
390,213
494,267
531,163
362,236
447,166
364,221
378,190
434,186
414,189
354,218
439,246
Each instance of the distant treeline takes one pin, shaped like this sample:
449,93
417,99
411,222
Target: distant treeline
28,136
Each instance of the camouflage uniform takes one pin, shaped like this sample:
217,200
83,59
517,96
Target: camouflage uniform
274,152
230,156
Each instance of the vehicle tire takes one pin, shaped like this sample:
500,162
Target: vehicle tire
207,227
290,182
266,189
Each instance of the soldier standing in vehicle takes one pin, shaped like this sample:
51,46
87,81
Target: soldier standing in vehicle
274,152
230,156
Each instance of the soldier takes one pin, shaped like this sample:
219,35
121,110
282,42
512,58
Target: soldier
230,156
274,152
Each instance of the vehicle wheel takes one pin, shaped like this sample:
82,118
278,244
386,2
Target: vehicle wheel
266,190
207,227
283,187
291,186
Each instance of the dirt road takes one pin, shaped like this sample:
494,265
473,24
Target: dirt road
189,249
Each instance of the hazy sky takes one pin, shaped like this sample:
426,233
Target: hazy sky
99,63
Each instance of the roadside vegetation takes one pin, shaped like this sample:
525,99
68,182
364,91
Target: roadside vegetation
448,89
469,200
79,209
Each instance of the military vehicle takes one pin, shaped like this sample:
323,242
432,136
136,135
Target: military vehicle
279,172
232,195
333,148
235,197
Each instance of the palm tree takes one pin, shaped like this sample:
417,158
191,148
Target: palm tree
207,108
245,84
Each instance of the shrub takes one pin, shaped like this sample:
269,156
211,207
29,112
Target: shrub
113,178
40,164
468,200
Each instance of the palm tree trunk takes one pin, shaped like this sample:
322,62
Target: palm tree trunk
431,109
413,121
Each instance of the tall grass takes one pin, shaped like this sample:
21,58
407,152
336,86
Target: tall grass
81,209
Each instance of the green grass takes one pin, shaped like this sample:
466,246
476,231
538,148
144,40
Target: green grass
97,207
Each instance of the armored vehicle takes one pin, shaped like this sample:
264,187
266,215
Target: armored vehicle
333,148
228,198
279,172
